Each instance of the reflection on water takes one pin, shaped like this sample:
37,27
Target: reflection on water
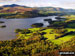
12,24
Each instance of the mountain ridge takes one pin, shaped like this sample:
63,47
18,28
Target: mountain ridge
38,8
14,5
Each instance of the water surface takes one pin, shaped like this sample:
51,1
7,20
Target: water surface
12,24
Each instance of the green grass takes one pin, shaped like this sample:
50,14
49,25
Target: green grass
23,36
47,30
49,35
34,29
63,39
70,29
60,40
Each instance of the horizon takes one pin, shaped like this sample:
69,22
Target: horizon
41,3
37,7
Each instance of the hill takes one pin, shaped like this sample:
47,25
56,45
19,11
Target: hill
15,7
55,9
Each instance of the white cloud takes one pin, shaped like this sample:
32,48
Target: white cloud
39,3
9,0
64,3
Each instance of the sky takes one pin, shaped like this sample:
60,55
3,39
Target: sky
67,4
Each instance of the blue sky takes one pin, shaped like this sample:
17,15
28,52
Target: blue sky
41,3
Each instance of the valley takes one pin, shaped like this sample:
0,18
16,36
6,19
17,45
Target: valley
36,31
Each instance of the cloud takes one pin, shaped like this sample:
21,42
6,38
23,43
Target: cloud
32,3
9,0
63,3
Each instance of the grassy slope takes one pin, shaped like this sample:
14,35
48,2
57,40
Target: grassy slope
68,37
60,40
50,37
63,39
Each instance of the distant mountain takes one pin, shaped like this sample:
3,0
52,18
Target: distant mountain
14,5
55,9
19,8
13,8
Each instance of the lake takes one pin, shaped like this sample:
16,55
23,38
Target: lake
8,33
